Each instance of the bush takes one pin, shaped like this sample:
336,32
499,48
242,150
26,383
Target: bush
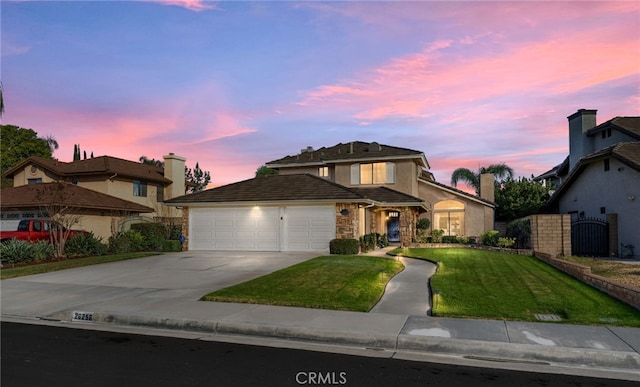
81,244
520,230
344,246
423,224
127,242
436,236
16,251
368,242
506,242
41,250
449,239
171,245
382,240
463,240
153,234
490,238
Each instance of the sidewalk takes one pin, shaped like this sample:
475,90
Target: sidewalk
386,327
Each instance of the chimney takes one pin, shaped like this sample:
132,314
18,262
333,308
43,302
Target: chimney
174,171
579,144
487,187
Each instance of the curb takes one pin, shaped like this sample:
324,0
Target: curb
500,351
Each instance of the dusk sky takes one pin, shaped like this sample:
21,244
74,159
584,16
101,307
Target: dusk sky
233,85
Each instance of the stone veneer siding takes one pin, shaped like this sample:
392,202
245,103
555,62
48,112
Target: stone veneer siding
408,219
347,225
185,228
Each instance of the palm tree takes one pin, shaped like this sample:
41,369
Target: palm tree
501,172
1,100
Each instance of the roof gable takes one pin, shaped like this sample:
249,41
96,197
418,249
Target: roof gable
628,125
35,195
352,151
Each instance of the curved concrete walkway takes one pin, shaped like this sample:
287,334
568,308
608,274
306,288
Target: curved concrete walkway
408,292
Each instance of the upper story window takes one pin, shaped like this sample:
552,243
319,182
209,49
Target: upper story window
373,173
323,172
139,188
159,193
607,165
35,181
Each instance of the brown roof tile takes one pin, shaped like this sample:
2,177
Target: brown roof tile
302,187
356,150
102,165
34,195
628,125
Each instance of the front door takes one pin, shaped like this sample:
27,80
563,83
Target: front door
393,226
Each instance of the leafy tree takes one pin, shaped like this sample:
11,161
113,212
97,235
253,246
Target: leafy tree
198,177
17,144
157,163
517,198
1,100
265,171
500,171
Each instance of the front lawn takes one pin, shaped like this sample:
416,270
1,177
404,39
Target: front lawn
493,285
8,272
339,282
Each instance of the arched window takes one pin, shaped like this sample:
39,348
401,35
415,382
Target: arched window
448,215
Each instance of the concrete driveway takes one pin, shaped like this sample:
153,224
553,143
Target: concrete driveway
170,277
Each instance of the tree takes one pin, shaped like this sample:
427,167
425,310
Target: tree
519,198
500,171
145,160
265,171
17,144
1,100
198,177
57,203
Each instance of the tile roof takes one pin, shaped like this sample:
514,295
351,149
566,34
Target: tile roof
34,195
102,165
356,150
459,192
628,125
301,187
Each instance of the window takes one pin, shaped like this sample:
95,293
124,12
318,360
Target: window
159,193
139,188
448,215
373,173
606,165
323,172
35,181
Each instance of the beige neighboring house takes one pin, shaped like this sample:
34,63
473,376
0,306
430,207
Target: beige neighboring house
110,193
344,191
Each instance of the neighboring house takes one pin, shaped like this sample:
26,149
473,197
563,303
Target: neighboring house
601,178
110,192
344,191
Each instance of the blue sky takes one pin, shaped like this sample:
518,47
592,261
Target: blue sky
233,85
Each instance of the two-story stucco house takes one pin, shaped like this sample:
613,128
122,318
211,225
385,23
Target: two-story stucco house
108,192
601,176
343,191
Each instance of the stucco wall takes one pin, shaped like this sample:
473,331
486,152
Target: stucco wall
596,188
405,176
478,217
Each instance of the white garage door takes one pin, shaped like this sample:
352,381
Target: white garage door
308,228
255,229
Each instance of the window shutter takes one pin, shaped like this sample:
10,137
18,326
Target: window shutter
391,173
355,174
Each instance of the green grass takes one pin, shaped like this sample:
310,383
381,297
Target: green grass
494,285
339,282
47,267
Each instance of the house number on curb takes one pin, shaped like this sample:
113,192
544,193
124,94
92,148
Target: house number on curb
82,316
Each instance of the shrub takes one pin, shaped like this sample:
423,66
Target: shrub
462,240
127,242
344,246
520,230
383,241
436,236
368,242
171,245
153,234
423,224
506,242
41,250
449,239
490,238
16,251
81,244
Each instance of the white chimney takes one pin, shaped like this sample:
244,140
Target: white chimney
174,171
579,144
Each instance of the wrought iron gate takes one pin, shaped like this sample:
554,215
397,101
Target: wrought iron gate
590,237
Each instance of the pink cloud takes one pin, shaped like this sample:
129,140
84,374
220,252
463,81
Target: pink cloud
193,5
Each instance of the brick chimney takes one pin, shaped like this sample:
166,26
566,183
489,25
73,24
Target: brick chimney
579,144
174,171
